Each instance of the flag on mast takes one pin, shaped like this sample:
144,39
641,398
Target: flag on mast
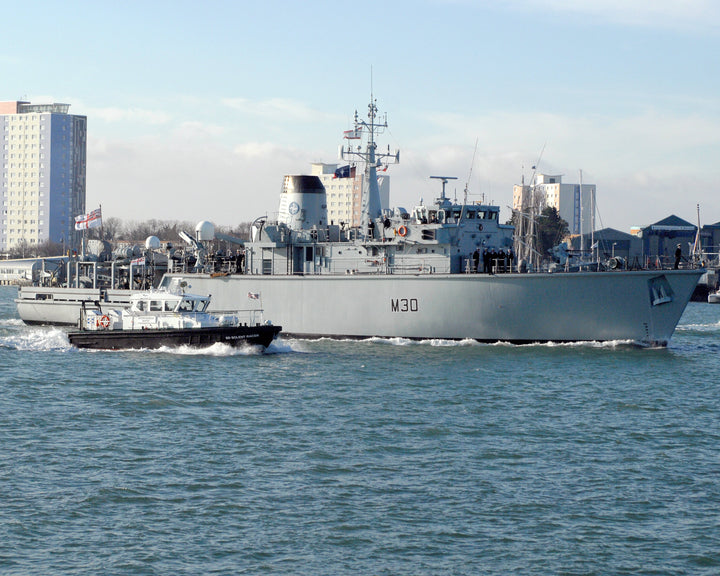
345,172
355,134
90,220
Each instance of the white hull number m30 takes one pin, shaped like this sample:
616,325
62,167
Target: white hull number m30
404,304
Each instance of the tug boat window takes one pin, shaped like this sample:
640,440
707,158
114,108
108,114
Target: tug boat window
169,306
155,305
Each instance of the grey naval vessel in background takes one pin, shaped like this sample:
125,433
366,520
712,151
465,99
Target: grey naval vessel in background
443,270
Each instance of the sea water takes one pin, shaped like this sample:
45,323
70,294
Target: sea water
360,457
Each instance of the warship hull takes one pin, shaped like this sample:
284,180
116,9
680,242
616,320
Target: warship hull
641,306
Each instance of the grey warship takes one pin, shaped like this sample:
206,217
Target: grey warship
442,270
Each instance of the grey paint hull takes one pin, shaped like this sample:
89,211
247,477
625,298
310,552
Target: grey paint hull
39,305
596,306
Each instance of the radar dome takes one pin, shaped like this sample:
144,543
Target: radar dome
152,243
205,231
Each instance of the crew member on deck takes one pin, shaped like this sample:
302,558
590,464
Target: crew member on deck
678,256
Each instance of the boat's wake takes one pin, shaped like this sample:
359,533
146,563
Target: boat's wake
698,328
469,342
609,344
440,342
220,349
217,349
34,339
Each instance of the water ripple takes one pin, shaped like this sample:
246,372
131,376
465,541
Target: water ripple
348,457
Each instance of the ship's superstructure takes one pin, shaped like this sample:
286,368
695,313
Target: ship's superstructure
440,237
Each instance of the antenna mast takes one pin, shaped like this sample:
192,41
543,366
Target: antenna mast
371,206
472,165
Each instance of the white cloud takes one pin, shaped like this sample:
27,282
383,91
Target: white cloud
135,115
645,166
646,13
279,109
176,178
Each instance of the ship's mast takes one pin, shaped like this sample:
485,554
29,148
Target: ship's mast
697,245
370,204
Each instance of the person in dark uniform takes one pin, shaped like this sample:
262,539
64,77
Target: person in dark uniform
476,260
486,261
678,256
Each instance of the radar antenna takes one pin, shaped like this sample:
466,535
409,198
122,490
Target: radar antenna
445,180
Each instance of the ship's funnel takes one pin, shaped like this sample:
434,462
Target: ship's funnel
303,203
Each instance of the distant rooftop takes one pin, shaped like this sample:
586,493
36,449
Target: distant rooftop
20,107
26,108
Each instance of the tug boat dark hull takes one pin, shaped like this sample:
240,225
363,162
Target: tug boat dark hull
153,338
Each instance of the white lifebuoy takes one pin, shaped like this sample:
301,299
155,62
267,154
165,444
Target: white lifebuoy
104,321
402,231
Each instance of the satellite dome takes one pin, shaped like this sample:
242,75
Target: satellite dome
152,243
205,231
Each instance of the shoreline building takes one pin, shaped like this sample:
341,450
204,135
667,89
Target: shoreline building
575,205
42,173
343,188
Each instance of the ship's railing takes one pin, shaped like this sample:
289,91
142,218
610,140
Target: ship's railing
421,266
249,316
227,265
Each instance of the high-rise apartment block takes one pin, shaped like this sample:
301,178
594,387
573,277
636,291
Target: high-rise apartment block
574,202
344,192
42,173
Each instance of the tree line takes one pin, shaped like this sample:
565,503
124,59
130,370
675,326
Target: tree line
131,232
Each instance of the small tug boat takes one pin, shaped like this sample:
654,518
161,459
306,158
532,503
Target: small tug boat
159,318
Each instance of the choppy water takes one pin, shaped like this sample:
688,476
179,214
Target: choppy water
373,457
